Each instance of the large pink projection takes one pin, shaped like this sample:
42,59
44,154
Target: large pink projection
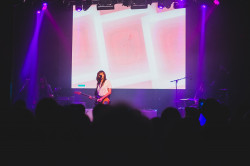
138,49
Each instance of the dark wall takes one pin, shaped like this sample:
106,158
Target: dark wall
54,59
6,52
55,43
227,42
23,28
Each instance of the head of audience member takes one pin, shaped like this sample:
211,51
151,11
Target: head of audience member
170,114
214,113
123,130
47,110
19,104
99,111
192,113
76,115
21,113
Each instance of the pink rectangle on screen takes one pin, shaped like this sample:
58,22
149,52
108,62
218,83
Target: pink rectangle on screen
125,47
169,45
85,53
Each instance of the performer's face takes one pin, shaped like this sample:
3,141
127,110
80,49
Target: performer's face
102,74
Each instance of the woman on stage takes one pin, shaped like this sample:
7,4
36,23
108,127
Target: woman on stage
103,88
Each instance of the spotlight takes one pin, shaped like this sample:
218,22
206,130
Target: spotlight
38,12
216,2
78,5
44,6
105,5
164,3
78,8
178,4
160,4
203,6
139,4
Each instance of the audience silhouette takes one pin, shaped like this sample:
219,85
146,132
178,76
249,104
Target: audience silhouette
120,134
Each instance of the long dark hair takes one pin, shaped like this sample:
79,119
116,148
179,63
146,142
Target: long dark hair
98,82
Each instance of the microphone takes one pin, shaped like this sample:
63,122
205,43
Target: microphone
99,78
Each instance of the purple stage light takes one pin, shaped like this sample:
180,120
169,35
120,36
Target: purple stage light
160,7
45,6
216,2
78,7
30,66
178,4
201,58
160,4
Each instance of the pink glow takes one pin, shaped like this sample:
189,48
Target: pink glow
216,2
58,30
44,6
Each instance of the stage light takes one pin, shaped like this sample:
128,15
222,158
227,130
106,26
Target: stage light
78,5
216,2
38,12
106,5
78,8
160,4
139,4
44,6
178,4
203,6
164,3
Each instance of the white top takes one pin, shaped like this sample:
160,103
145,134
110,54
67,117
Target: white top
104,89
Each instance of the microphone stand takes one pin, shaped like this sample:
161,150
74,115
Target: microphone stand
24,85
176,82
21,89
